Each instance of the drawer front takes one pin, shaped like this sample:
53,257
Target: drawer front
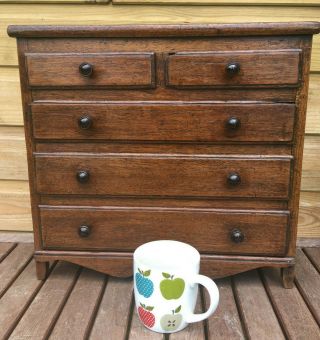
158,122
233,68
124,229
103,69
163,175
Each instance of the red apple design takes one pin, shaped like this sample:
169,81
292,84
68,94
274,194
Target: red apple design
145,315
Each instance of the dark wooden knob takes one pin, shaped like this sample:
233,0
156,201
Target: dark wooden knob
233,69
233,123
86,69
85,122
234,178
84,231
237,236
83,176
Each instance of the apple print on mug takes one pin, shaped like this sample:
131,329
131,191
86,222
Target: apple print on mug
166,278
145,315
171,322
144,285
171,288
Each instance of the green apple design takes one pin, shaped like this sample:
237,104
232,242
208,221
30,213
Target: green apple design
171,289
171,322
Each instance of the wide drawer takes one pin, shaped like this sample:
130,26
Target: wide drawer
163,175
230,68
165,122
91,69
125,228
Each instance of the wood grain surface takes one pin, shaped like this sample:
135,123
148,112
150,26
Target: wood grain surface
113,314
225,323
124,229
63,69
139,175
255,68
295,317
165,122
86,292
252,298
46,306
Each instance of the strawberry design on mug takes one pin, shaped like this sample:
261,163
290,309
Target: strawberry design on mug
145,315
144,285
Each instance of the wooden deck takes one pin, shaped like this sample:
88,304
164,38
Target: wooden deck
77,303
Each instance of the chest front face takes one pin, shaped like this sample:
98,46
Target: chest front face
197,139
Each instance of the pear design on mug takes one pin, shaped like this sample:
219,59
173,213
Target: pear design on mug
144,285
171,289
171,322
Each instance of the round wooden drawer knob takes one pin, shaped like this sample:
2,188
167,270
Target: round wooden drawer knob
233,69
83,176
233,123
237,236
85,122
234,178
86,69
84,231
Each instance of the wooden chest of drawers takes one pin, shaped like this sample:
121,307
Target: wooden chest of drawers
185,132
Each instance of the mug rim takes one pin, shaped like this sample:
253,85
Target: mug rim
193,258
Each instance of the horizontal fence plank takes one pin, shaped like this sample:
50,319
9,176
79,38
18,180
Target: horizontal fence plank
10,97
49,14
47,1
311,164
220,2
313,108
15,212
309,214
11,111
13,156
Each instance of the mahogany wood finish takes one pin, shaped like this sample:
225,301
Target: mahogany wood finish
188,132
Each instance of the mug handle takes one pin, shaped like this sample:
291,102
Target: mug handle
214,298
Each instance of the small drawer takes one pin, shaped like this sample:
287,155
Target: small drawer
162,122
230,68
163,175
91,69
125,228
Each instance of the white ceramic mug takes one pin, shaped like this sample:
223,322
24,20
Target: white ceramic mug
166,278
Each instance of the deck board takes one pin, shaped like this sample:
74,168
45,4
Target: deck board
11,266
308,283
78,303
225,322
75,318
36,323
314,256
17,298
256,309
5,249
297,320
114,311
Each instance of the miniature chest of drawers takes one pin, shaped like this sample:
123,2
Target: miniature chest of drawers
184,132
